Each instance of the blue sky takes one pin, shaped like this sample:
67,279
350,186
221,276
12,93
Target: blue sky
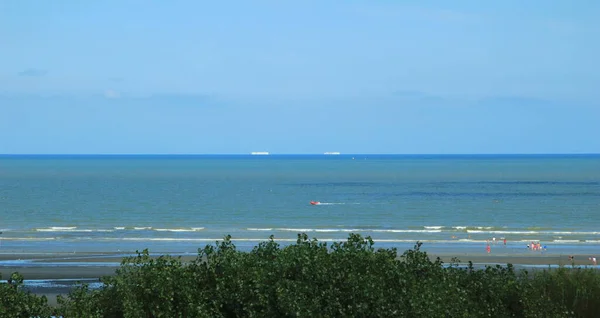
299,76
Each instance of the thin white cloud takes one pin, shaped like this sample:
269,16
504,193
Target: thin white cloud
109,93
33,72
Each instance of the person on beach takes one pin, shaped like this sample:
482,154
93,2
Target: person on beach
504,241
593,259
488,248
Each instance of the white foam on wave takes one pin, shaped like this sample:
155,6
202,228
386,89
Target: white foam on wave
570,233
302,230
502,232
465,227
294,230
27,238
407,231
338,203
337,230
169,239
534,232
177,229
434,227
193,229
70,229
57,229
344,230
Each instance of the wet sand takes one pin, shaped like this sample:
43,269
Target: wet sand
63,272
57,266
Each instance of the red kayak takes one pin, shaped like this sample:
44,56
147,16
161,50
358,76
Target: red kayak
315,202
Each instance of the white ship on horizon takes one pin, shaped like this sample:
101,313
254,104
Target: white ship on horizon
263,153
332,153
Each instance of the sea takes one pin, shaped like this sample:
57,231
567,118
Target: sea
179,203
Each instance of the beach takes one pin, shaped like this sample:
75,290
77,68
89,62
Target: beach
94,268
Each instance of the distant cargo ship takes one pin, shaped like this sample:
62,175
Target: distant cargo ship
260,153
332,153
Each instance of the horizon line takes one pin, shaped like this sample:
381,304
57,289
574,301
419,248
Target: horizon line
267,154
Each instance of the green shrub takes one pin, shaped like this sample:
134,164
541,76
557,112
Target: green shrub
313,279
16,303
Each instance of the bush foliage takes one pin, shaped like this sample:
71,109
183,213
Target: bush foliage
312,279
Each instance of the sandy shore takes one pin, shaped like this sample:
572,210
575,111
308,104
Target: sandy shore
522,260
63,272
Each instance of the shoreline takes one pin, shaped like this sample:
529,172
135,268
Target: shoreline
95,265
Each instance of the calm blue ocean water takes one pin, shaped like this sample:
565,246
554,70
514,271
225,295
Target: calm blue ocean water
180,203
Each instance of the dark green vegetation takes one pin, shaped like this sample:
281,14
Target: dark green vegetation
311,279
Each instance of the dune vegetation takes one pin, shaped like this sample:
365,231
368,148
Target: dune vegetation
314,279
